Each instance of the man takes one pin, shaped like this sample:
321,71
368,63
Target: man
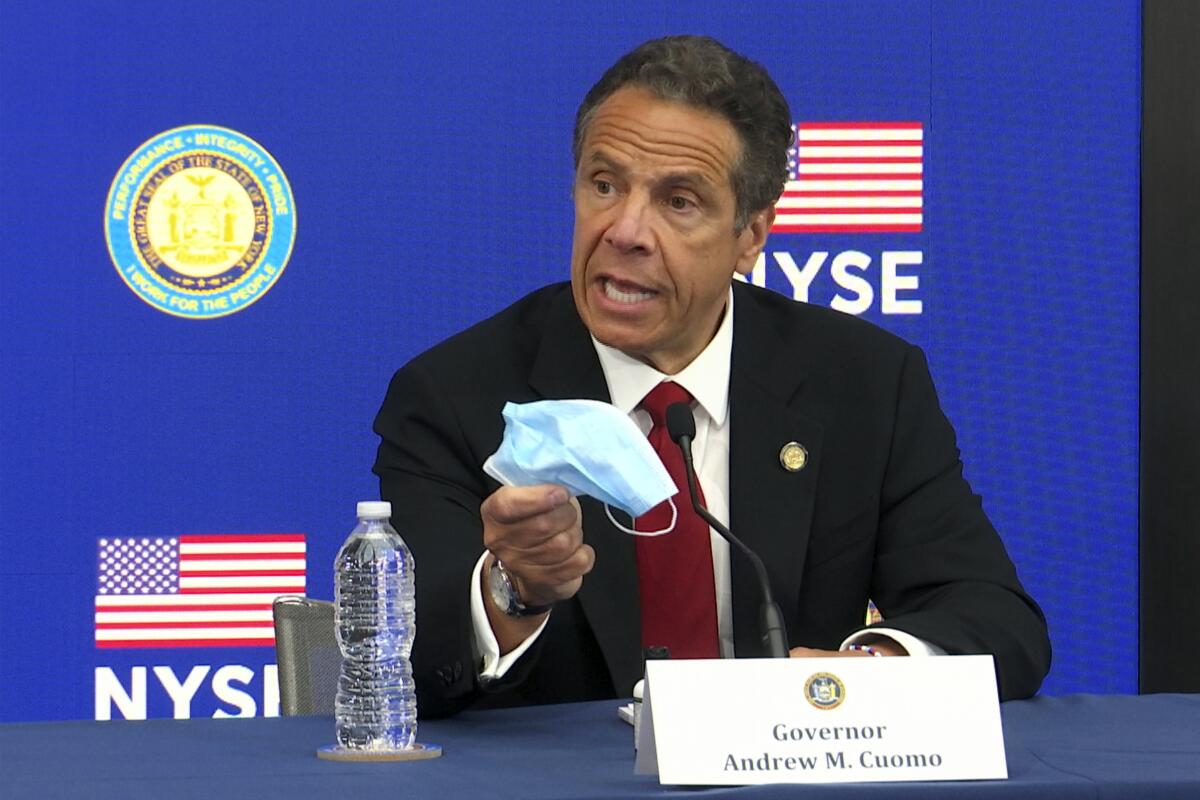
819,436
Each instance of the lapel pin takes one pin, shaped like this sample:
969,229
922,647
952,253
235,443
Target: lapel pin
793,456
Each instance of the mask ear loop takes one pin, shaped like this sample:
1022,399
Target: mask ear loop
631,532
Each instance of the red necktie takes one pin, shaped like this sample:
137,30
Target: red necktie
675,570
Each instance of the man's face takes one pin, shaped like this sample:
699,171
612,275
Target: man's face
654,247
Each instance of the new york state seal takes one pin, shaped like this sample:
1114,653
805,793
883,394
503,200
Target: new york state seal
200,221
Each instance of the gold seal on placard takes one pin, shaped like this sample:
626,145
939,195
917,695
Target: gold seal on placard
824,690
793,456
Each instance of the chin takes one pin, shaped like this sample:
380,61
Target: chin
630,345
605,335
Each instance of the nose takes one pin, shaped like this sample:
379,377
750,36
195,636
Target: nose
630,229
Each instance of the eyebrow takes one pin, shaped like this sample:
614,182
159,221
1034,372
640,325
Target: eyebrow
690,178
599,158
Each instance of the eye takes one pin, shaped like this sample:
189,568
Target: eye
680,203
602,187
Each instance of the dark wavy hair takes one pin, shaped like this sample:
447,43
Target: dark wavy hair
705,74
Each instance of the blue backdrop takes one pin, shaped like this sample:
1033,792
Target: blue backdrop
427,150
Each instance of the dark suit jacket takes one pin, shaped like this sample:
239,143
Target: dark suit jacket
881,510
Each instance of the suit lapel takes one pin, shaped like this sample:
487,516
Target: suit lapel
567,367
770,507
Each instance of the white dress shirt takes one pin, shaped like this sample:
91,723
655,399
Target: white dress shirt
707,379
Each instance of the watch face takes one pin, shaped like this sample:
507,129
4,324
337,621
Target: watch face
505,596
501,589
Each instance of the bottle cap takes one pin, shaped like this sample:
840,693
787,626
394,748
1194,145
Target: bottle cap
374,509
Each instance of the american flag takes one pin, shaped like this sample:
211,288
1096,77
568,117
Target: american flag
853,177
194,591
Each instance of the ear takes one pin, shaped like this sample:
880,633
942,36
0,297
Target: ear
752,239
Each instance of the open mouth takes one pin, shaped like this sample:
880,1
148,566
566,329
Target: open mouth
622,292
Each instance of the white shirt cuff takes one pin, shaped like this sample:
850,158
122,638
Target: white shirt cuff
914,646
494,665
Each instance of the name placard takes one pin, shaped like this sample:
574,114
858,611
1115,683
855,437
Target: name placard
821,720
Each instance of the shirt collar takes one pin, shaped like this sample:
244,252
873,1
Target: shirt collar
706,377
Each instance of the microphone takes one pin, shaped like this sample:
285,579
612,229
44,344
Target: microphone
681,425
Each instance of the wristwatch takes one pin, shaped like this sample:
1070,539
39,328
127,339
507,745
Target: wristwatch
505,595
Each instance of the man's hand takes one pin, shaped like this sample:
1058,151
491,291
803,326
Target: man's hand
884,646
535,531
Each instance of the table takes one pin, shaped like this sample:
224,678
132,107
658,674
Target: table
1079,746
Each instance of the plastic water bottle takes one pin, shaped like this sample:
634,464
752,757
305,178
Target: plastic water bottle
376,705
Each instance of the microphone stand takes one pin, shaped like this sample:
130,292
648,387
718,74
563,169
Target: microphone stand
681,425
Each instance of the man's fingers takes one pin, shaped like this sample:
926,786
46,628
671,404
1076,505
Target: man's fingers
547,584
509,505
529,531
519,553
535,532
555,549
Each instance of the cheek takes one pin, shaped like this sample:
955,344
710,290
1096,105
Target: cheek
694,267
579,252
583,245
585,240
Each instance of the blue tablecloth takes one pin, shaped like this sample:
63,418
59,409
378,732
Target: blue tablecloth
1081,746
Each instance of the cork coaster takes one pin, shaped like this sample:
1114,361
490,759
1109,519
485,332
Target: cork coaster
418,752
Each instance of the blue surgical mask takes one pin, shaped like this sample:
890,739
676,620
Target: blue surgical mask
588,447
